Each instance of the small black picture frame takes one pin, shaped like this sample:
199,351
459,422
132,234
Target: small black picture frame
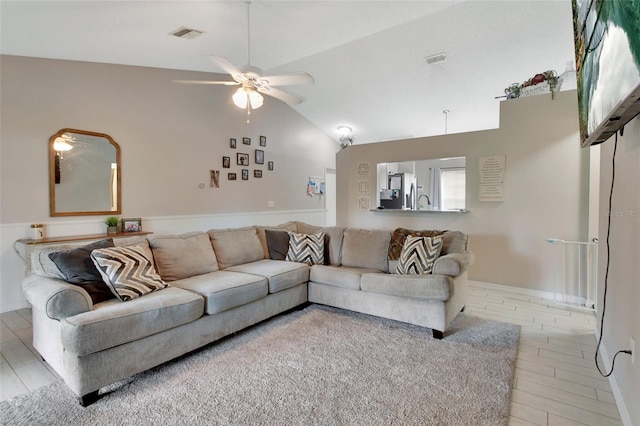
245,174
270,165
242,159
231,176
232,143
259,158
246,141
263,141
226,162
257,173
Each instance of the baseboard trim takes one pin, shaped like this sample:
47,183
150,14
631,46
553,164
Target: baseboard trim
615,388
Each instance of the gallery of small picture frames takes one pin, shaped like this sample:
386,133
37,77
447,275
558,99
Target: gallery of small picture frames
242,156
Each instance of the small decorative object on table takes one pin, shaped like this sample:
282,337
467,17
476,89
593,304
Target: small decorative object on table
112,224
132,224
37,231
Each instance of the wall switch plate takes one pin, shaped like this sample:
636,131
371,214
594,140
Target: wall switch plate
270,204
632,347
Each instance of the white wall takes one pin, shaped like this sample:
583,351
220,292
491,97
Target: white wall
547,189
171,135
622,316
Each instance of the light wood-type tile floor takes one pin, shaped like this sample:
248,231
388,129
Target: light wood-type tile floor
556,383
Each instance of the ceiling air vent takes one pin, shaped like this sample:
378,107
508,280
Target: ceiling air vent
184,32
433,59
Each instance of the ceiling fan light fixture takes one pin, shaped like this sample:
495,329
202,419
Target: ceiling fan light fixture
240,98
255,99
247,96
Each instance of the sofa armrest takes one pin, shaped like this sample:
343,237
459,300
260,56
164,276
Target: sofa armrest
57,298
453,264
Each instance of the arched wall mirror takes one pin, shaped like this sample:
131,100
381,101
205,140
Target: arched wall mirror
84,174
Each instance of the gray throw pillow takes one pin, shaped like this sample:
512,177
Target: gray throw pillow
278,243
78,268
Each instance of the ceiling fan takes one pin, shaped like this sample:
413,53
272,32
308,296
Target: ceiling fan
252,81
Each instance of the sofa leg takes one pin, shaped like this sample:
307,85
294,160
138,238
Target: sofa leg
437,334
88,399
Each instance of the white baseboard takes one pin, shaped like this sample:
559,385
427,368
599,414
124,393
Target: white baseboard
615,388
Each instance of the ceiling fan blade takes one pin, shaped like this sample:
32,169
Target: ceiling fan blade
226,83
293,79
228,67
287,97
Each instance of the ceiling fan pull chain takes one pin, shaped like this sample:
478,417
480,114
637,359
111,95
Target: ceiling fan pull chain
248,112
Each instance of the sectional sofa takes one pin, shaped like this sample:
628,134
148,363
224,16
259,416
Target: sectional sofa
201,286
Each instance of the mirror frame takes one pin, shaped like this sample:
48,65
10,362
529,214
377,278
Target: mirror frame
52,178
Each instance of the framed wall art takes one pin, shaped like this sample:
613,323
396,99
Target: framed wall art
245,174
263,141
232,143
270,165
231,176
257,173
246,141
259,159
242,159
226,162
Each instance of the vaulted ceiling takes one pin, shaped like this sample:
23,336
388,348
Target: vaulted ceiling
367,57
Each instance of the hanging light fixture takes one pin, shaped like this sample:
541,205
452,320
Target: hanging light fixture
247,96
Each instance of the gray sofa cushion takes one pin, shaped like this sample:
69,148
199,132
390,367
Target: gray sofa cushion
183,256
362,248
224,290
236,246
115,323
280,275
437,287
454,242
339,276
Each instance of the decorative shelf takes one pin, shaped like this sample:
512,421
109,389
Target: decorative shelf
71,238
30,244
403,211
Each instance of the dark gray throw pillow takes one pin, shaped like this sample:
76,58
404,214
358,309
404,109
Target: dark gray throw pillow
78,268
278,243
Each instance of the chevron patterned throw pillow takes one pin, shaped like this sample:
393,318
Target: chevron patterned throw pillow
306,248
127,271
418,255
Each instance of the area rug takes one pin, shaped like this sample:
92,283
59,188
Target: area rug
317,366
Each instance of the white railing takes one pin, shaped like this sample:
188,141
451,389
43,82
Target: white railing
577,282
